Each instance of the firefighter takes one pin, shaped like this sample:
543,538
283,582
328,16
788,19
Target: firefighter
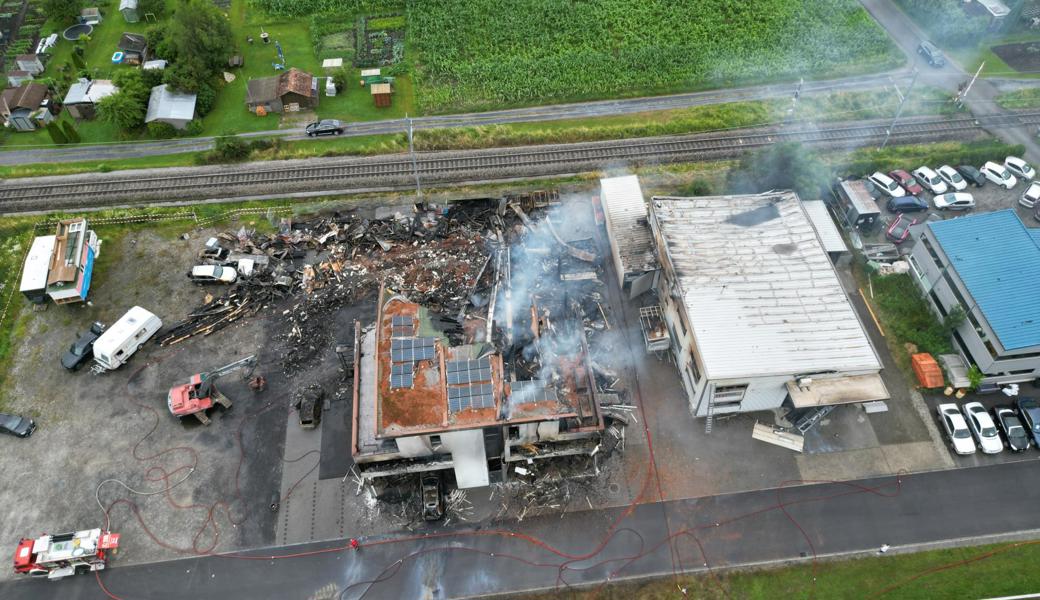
354,544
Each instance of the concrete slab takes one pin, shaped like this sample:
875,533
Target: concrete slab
846,428
914,458
842,466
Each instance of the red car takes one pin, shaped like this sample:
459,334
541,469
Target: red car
907,181
899,229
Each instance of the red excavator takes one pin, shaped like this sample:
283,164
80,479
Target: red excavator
200,393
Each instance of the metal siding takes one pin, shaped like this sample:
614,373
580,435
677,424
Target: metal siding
623,207
998,260
824,226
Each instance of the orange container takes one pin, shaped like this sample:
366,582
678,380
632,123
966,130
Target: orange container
929,375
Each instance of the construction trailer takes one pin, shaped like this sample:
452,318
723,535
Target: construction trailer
37,266
631,245
64,554
72,262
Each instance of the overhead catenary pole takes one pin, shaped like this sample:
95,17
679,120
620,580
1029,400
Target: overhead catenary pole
899,111
415,166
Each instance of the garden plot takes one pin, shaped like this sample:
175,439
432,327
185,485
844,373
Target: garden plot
1023,57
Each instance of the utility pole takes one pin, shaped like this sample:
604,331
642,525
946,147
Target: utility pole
899,111
964,93
794,99
415,166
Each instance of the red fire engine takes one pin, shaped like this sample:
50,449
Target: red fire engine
57,556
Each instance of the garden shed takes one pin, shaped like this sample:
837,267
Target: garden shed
90,16
26,107
168,106
16,78
30,63
382,94
83,96
134,47
274,94
129,10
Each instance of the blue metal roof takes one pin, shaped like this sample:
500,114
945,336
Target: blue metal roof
998,259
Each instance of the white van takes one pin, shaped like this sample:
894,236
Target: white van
125,337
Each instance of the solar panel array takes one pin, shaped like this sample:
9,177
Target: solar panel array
402,327
401,376
468,371
477,395
531,391
412,349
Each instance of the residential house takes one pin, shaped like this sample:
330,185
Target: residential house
90,16
286,91
83,96
987,264
16,78
30,63
26,107
128,8
168,106
754,309
134,47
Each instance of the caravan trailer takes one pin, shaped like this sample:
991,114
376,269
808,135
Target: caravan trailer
125,337
36,269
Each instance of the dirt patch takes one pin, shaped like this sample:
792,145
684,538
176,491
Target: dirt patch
1023,57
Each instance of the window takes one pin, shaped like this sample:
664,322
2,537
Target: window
514,432
916,268
728,394
435,440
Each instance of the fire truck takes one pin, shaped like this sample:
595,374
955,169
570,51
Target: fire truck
61,555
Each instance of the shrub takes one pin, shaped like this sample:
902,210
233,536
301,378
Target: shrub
162,131
195,127
230,148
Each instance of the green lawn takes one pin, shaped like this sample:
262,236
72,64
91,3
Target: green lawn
1019,99
970,58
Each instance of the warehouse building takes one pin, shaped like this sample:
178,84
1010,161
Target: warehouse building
631,246
988,265
754,308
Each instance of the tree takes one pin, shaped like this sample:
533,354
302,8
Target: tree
786,166
70,132
197,41
56,133
62,11
127,107
155,7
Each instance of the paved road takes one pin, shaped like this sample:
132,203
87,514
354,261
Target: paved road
736,529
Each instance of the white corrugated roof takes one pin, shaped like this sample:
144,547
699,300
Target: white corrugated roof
623,208
824,225
37,264
761,295
167,104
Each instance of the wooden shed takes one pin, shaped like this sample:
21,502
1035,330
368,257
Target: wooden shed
381,94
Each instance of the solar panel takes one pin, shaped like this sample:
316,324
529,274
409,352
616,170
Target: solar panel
478,395
412,349
531,391
401,381
402,326
460,372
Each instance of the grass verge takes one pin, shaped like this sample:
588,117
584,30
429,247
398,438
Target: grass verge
1018,99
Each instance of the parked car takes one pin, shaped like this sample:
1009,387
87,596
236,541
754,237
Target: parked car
972,175
954,201
82,350
1019,168
1029,412
887,185
325,127
17,426
952,178
907,181
930,180
433,503
999,175
1031,196
1012,427
899,230
906,204
213,274
872,189
982,428
932,54
956,429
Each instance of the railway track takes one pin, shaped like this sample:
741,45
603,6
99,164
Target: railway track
79,191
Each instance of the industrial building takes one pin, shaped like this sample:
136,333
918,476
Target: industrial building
754,309
989,266
631,246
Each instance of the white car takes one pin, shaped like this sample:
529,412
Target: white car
1031,196
983,428
887,185
952,178
956,429
954,201
930,180
999,175
1019,167
213,274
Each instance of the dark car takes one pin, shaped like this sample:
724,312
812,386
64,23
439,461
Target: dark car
907,181
1012,427
83,348
325,127
932,54
972,175
872,189
899,230
433,505
906,204
22,427
1029,412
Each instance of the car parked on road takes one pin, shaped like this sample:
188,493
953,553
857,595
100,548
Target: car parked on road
1031,196
1029,412
17,426
952,178
899,230
1019,168
325,127
213,274
954,201
906,204
932,54
972,175
1012,428
887,185
930,180
82,350
999,175
956,429
907,181
982,428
